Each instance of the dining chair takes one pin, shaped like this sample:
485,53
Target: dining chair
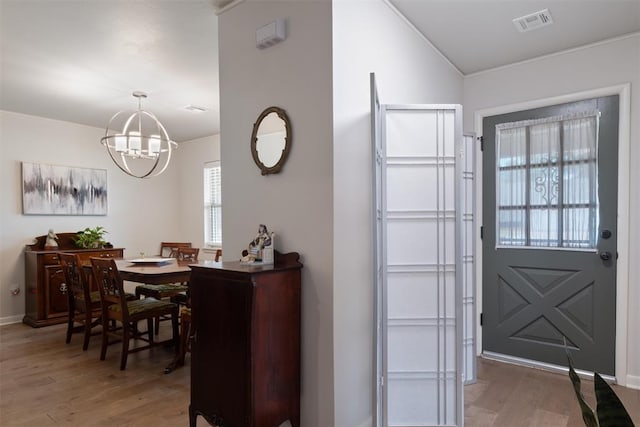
169,290
169,249
116,307
83,304
187,254
184,255
185,340
218,256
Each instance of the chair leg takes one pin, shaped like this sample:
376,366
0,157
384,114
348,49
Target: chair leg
87,329
105,336
150,329
181,349
70,322
185,336
125,346
174,326
157,325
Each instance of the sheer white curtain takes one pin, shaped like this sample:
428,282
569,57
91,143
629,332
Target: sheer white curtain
544,185
580,183
511,183
546,182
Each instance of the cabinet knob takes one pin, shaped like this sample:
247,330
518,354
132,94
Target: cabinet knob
63,288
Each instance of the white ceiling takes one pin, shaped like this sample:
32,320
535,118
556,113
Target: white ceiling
79,61
477,35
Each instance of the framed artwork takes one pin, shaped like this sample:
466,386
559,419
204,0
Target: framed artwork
63,190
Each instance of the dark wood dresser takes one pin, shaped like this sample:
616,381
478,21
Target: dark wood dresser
245,352
46,291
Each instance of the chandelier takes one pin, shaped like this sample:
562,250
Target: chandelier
137,142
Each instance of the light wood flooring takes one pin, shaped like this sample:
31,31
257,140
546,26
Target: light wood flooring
509,395
45,382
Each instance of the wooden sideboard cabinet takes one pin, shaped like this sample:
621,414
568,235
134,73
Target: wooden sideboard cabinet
46,291
245,347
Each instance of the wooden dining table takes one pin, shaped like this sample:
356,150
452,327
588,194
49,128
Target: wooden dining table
169,270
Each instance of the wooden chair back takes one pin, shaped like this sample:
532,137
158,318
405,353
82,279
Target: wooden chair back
169,249
110,285
187,254
78,291
218,255
83,305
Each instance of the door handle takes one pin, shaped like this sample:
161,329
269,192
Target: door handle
605,255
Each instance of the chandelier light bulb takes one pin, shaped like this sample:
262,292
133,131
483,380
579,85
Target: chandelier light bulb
121,143
135,144
154,145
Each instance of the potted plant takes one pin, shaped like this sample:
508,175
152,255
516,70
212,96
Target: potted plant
610,412
91,238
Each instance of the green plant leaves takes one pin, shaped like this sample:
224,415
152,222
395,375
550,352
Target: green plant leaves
90,237
611,411
588,416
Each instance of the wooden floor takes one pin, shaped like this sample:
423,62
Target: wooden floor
45,382
509,395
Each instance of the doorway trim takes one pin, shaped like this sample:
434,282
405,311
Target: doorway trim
622,278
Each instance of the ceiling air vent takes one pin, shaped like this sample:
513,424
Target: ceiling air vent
533,21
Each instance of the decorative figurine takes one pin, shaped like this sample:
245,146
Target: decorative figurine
260,249
52,240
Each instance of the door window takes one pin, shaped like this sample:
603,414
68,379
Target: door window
546,182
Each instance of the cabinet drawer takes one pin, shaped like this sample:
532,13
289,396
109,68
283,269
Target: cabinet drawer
84,256
107,255
50,259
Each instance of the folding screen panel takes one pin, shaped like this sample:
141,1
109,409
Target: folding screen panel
378,252
467,206
419,264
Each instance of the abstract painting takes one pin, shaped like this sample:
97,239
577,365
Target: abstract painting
63,190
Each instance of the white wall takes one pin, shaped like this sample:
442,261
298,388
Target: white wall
297,203
368,36
189,161
594,67
141,213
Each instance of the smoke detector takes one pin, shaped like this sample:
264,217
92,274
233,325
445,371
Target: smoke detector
533,21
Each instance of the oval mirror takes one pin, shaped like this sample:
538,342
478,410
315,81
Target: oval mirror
271,140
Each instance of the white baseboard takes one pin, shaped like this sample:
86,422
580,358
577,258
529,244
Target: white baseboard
633,381
11,319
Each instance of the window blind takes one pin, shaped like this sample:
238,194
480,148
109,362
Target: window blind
212,204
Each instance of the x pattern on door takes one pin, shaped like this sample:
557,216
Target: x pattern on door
523,290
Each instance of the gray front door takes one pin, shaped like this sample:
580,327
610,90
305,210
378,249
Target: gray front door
549,235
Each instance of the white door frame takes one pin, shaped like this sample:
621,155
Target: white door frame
622,278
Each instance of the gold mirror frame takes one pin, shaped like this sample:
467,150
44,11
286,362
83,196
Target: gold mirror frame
265,170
